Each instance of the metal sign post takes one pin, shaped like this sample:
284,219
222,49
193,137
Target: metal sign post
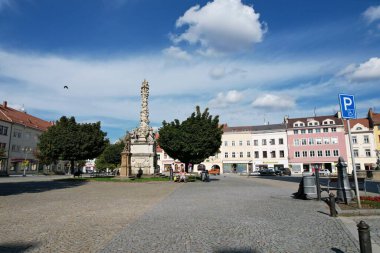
347,106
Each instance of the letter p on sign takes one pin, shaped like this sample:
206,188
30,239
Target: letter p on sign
347,106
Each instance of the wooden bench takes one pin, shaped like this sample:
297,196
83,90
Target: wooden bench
362,183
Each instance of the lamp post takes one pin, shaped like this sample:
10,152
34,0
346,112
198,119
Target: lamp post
26,150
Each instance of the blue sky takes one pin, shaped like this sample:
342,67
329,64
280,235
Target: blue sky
250,62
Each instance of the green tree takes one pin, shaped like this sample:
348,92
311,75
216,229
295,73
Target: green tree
111,156
193,140
68,140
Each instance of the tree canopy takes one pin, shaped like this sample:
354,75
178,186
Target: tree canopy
193,140
69,140
111,156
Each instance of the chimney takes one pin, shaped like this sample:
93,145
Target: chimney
5,103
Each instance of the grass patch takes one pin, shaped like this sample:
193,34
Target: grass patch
116,179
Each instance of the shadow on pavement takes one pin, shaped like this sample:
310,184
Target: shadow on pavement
337,250
15,188
236,251
17,247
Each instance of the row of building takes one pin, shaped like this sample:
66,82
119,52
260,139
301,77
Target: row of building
301,144
19,135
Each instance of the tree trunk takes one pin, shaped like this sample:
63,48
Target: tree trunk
186,167
72,167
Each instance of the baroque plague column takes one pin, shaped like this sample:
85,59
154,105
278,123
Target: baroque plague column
140,146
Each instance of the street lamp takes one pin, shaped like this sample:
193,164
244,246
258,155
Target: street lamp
26,150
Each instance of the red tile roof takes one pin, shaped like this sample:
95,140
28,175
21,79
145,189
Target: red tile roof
364,122
376,118
13,116
320,119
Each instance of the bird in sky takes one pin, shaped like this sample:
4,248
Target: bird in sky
65,87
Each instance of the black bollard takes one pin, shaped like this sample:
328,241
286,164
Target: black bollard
317,182
364,237
171,174
332,205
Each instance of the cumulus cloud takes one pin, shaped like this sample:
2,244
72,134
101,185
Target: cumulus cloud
221,26
225,99
372,14
270,101
177,53
367,71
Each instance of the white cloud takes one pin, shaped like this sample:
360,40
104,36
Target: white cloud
225,99
221,26
367,71
372,14
177,53
271,101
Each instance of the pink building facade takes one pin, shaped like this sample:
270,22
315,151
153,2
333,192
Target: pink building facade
315,142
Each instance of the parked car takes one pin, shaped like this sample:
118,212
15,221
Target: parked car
324,172
283,171
254,173
267,172
214,171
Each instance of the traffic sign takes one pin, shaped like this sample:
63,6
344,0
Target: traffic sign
347,106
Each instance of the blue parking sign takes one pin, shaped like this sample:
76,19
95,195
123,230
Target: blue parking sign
347,106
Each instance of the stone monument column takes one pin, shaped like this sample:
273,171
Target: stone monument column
140,150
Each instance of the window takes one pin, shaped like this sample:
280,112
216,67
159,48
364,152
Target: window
331,122
240,143
317,130
296,125
327,153
318,141
225,143
296,142
356,153
326,140
304,153
366,139
273,154
256,142
310,131
281,141
265,154
264,142
158,157
3,130
367,152
303,131
333,129
359,128
13,148
256,154
334,140
336,152
17,134
165,156
304,142
272,142
282,153
248,154
2,145
316,124
320,153
325,130
248,143
312,153
233,154
357,166
241,154
226,155
311,141
295,131
233,143
354,140
297,154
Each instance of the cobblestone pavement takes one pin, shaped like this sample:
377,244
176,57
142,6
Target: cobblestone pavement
235,214
64,216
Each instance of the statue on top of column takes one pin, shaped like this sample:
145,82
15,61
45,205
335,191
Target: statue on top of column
144,130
